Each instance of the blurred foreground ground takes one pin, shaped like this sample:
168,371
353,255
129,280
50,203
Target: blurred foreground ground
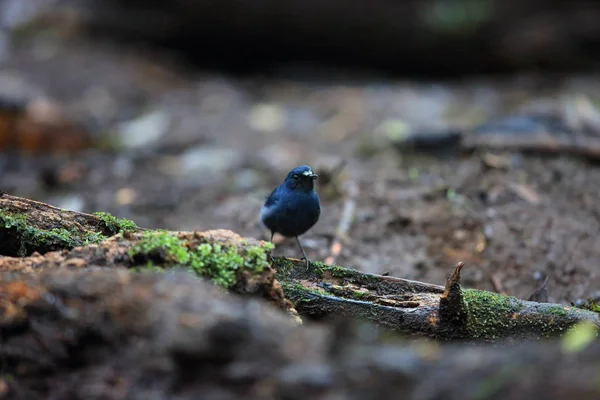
197,151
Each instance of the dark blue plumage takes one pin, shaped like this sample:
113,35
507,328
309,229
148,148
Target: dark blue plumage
293,207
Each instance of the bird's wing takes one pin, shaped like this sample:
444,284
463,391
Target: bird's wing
273,198
266,212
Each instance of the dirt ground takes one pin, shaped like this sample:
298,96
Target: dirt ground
200,150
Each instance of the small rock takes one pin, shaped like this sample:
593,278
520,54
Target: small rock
207,161
123,167
71,202
581,114
125,196
15,89
143,131
394,130
267,118
302,121
274,156
98,102
247,179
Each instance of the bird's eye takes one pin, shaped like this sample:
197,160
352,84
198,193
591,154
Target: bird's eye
295,177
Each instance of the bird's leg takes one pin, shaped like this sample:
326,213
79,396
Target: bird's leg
303,253
269,256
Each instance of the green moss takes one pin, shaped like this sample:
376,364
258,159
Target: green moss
480,299
298,293
29,239
358,294
294,291
490,313
284,266
116,225
162,246
334,270
589,305
217,262
558,311
491,316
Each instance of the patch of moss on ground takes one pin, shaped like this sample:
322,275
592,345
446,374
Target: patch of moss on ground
218,262
30,239
116,225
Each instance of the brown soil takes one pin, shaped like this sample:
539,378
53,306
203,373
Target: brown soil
539,215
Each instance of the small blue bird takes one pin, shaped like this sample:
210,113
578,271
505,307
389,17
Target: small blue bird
293,207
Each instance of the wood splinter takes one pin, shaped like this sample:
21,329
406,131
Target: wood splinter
452,307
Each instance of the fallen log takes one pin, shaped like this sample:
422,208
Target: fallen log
113,334
71,239
76,240
416,308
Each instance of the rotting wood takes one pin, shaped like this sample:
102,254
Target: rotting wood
452,310
417,308
75,240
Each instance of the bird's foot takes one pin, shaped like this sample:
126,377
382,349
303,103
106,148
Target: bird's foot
307,263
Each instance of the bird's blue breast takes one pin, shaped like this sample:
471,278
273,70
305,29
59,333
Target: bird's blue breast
291,213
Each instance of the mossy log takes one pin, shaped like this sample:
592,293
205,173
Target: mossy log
77,240
416,308
71,239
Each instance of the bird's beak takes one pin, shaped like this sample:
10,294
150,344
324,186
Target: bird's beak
310,174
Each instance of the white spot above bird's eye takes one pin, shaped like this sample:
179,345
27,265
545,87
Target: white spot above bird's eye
307,173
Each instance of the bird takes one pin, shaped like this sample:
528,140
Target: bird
293,207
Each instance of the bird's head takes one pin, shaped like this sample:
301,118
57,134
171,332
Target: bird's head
301,179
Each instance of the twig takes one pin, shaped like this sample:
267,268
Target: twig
497,284
343,227
541,293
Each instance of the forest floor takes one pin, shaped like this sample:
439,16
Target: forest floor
201,150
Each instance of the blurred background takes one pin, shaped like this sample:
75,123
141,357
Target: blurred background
442,131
